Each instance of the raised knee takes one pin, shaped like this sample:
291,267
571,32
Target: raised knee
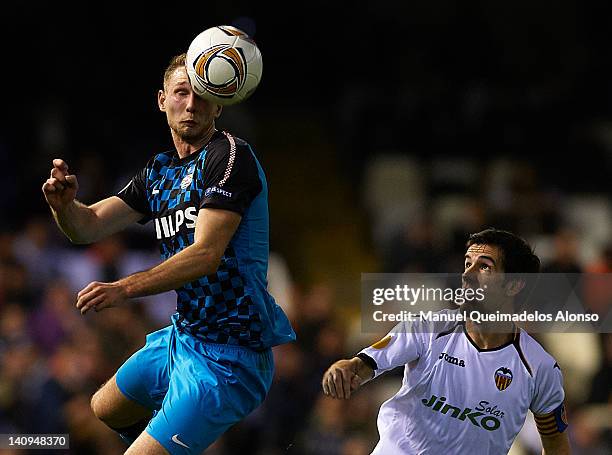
114,410
97,407
102,409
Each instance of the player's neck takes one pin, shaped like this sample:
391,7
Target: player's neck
185,147
490,336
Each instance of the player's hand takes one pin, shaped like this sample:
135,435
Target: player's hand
344,377
99,296
61,187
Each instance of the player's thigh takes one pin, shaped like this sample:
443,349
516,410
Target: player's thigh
111,406
146,445
141,382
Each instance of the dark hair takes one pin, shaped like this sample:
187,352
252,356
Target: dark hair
517,255
175,62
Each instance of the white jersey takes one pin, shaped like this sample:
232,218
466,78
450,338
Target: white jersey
457,398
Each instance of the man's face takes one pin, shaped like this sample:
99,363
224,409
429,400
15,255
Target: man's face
189,115
483,269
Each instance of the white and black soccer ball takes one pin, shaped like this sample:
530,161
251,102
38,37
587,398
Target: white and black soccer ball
224,65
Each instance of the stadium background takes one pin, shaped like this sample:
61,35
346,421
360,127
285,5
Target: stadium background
388,133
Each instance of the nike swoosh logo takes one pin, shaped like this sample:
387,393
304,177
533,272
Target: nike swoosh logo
176,440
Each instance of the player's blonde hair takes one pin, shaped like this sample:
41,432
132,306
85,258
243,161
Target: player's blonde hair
175,62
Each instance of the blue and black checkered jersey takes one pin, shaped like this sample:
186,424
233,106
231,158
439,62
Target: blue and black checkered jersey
231,306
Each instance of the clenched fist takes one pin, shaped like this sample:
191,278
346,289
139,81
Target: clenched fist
345,376
60,188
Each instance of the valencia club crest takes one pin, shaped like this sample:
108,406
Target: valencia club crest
503,378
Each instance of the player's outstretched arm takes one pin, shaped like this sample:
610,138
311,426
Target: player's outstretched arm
79,222
213,232
345,376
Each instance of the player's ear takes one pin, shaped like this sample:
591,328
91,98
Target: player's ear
161,100
514,286
219,110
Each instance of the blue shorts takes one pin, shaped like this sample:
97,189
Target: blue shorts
199,390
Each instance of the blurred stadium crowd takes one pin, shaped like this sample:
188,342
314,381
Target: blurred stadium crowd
485,124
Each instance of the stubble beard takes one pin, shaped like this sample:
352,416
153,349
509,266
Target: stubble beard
187,134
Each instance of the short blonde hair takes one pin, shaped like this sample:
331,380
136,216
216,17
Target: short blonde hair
175,62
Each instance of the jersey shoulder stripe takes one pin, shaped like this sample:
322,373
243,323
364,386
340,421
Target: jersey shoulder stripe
532,353
449,331
231,159
517,345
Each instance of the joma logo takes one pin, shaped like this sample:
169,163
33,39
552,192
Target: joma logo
451,359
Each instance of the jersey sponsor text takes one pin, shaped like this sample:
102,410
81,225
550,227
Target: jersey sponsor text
168,226
489,422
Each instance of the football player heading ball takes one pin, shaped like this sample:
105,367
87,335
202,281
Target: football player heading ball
208,200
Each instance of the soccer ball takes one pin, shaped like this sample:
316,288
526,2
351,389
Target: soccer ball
224,65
